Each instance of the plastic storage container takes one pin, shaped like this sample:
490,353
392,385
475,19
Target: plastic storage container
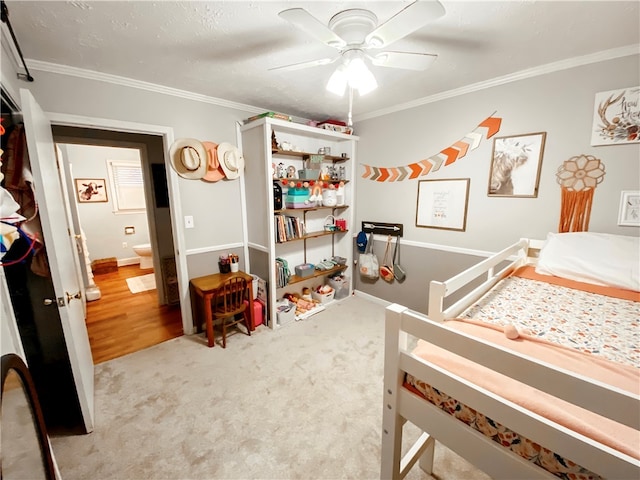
340,285
323,297
305,270
297,198
286,314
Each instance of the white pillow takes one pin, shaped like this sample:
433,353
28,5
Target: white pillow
596,258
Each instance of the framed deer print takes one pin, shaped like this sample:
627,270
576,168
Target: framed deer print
616,117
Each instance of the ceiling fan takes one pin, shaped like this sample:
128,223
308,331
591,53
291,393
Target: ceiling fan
354,32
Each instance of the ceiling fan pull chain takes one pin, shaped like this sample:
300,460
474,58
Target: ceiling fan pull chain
350,118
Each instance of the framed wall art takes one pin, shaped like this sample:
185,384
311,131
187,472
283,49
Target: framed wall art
443,204
516,162
616,117
629,213
91,190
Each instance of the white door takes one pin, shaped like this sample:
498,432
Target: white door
73,219
61,250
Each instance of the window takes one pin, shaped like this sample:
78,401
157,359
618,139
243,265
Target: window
127,186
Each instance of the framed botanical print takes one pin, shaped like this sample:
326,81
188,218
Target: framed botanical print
629,212
616,117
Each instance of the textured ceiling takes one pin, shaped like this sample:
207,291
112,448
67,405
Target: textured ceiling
225,49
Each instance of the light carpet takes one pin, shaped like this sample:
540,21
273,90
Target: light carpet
142,283
300,402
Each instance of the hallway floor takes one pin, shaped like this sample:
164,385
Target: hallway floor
121,322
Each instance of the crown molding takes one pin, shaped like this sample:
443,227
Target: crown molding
597,57
129,82
604,55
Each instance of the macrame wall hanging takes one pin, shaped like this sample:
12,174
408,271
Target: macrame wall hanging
578,178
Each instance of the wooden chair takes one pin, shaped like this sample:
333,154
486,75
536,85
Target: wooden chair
228,303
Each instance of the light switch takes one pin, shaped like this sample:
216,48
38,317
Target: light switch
188,221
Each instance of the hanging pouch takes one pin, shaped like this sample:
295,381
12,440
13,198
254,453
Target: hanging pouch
386,270
398,271
368,261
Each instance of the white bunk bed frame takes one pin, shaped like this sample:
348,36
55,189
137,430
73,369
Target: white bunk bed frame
401,405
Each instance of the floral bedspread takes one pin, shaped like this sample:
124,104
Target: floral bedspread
592,323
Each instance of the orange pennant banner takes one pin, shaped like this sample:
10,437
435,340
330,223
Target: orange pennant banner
492,124
448,155
384,174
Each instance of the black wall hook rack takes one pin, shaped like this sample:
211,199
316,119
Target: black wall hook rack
379,228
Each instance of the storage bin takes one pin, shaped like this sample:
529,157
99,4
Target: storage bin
340,285
286,314
304,270
308,174
297,198
323,297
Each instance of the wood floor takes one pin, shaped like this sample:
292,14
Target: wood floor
121,322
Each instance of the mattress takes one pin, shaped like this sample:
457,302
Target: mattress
554,314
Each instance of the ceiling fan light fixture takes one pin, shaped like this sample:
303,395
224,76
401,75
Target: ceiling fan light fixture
338,81
360,77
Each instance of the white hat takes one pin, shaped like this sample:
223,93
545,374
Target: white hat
189,158
231,160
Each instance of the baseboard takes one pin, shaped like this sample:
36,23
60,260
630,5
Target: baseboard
128,261
371,298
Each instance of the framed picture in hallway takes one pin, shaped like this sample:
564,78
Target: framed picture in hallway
515,165
91,190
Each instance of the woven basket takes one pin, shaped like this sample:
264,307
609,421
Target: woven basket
330,224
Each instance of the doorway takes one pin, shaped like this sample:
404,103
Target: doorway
120,321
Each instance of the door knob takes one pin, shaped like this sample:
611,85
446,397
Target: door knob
70,297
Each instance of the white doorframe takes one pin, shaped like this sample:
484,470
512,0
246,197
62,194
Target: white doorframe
64,119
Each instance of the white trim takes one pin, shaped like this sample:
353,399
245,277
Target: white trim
172,185
122,262
214,248
243,207
372,298
512,77
262,248
130,82
436,246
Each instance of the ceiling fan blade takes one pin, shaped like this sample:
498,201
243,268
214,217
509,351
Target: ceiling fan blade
406,60
311,63
406,21
306,22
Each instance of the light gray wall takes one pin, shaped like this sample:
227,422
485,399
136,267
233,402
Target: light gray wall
215,207
559,103
103,228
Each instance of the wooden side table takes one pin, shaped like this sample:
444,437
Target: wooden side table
203,290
